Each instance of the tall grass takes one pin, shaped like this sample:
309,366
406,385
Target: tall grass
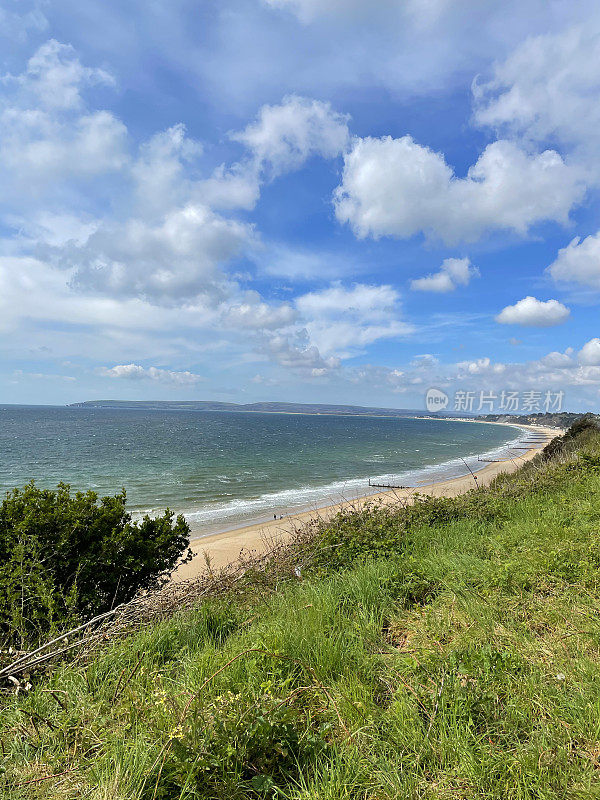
451,651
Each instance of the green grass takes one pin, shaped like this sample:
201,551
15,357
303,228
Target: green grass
446,651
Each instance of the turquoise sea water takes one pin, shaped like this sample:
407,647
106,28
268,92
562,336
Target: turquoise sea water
226,469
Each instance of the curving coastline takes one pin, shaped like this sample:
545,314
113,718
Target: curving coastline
225,547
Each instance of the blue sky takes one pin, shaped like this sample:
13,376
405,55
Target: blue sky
303,200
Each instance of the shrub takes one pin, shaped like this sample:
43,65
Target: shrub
237,748
67,556
587,424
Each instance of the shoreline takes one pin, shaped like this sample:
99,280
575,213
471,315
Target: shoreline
225,547
342,490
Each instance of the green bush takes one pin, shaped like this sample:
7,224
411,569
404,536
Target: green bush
583,428
65,557
240,749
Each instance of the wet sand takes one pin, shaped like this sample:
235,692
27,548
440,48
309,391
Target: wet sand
225,548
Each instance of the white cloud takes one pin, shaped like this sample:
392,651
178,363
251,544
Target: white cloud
284,136
534,313
37,150
577,375
440,282
281,139
361,301
178,258
409,47
454,272
183,253
481,366
296,353
54,77
396,187
137,372
556,360
589,355
160,170
579,262
39,307
338,320
232,187
167,173
161,274
55,229
256,315
46,134
32,292
544,91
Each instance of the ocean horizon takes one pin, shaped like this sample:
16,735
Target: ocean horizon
225,469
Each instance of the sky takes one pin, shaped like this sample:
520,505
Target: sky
325,201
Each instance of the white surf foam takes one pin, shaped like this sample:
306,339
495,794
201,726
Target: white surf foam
232,514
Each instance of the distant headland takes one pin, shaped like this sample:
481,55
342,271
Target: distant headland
560,419
265,408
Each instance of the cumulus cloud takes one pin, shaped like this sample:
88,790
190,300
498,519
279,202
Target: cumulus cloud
556,360
574,374
296,353
167,266
589,355
543,91
579,262
339,319
534,313
234,187
178,245
159,171
178,258
324,327
557,371
280,139
167,172
32,291
137,372
168,269
454,272
54,78
397,187
46,134
257,315
284,136
36,151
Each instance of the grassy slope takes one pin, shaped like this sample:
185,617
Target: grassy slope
463,662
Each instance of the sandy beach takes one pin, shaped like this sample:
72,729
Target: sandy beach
225,548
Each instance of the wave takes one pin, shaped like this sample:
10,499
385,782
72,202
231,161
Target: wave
232,514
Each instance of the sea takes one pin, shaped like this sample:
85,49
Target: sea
223,470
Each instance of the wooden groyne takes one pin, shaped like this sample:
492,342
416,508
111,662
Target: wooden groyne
386,486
